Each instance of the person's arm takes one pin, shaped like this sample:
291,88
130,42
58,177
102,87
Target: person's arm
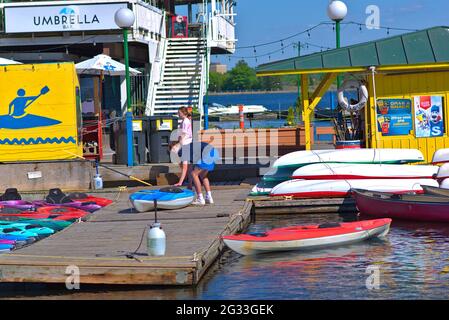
185,167
11,107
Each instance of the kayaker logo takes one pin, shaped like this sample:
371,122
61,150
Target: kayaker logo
67,17
18,116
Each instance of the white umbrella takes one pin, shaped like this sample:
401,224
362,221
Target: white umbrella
4,61
103,65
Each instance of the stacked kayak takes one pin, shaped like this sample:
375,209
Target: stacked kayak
344,164
342,188
166,198
307,237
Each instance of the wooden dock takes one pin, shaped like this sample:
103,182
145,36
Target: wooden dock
99,246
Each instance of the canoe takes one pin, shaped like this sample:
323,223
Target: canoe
404,207
441,156
337,171
342,188
83,198
443,172
167,198
361,156
307,237
436,191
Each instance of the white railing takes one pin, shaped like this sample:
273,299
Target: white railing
148,20
222,33
157,70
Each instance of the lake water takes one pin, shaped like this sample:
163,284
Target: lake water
412,263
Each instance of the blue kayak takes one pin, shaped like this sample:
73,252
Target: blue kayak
167,198
13,237
6,246
18,232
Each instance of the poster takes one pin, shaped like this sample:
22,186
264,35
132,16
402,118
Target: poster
394,117
429,121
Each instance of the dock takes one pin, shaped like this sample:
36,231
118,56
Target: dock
100,245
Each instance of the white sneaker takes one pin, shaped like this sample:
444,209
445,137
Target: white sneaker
199,202
209,200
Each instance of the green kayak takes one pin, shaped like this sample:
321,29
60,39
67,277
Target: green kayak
47,223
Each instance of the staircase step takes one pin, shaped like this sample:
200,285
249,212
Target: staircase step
176,92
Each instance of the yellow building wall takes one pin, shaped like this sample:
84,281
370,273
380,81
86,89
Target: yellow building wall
407,86
40,115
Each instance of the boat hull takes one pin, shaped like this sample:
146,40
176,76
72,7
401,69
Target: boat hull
148,205
245,247
403,210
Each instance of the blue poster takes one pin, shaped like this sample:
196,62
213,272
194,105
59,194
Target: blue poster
394,117
429,121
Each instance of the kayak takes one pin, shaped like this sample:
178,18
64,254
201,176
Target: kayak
263,188
360,156
435,191
83,198
307,237
441,156
425,208
86,206
6,247
7,242
41,231
47,223
342,188
18,232
54,213
13,237
443,172
278,175
19,204
167,198
337,171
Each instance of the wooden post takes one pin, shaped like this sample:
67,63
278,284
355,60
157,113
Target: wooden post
306,110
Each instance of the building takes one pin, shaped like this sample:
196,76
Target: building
170,43
219,68
407,78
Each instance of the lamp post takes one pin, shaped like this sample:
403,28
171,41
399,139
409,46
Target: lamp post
337,11
124,18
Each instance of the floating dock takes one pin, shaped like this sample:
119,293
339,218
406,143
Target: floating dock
99,246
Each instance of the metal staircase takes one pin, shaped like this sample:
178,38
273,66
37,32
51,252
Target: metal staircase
183,77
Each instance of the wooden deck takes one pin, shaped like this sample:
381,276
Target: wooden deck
98,247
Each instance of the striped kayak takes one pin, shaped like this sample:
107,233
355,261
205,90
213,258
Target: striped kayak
307,237
338,171
342,188
361,156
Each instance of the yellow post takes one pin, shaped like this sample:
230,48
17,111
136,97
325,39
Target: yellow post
306,110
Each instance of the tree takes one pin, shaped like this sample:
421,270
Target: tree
217,81
241,77
291,120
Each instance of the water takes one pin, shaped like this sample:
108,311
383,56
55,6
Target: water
413,263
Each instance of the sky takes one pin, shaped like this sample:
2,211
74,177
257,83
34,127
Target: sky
261,21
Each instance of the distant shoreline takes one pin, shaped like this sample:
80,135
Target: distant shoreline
249,92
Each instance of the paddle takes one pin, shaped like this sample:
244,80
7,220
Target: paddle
44,91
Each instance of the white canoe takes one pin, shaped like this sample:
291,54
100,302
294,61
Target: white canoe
360,156
338,171
342,188
441,156
443,172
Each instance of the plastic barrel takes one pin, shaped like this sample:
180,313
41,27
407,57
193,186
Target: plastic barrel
352,144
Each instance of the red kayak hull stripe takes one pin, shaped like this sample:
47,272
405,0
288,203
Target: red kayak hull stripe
352,177
332,194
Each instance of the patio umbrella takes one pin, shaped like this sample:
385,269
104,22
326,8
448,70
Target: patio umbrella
4,61
103,65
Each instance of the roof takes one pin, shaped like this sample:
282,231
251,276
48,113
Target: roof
427,46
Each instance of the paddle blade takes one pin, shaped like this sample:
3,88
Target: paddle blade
45,90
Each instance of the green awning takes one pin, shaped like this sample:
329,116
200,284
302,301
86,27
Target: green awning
422,47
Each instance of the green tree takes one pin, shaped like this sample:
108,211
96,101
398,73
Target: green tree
291,120
241,77
217,81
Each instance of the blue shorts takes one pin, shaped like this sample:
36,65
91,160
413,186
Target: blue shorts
202,156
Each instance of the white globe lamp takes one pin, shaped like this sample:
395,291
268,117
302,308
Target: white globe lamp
124,18
337,10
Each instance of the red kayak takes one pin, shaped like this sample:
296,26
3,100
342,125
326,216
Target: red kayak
307,237
85,198
55,213
425,207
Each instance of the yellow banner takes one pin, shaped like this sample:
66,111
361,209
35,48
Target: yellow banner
40,115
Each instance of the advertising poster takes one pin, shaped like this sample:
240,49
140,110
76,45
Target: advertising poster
429,121
394,116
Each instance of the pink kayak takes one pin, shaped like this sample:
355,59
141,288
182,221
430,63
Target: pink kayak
19,204
7,242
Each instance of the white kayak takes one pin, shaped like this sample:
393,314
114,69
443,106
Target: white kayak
361,156
338,171
263,188
443,172
342,188
441,156
444,184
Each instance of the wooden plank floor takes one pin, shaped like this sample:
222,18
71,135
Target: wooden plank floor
99,245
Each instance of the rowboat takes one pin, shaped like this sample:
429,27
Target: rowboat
360,156
435,191
426,208
440,156
327,171
342,188
307,237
